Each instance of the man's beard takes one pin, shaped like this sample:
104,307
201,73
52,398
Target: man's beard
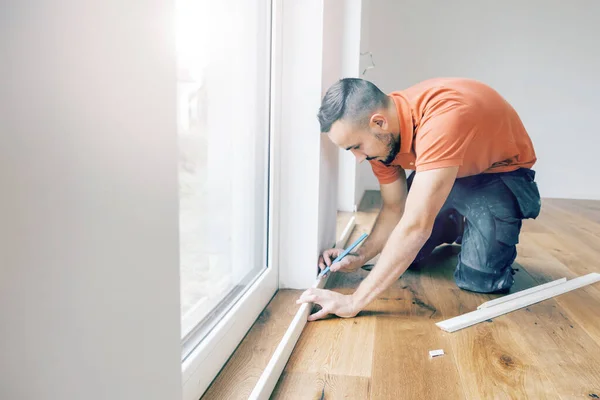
393,145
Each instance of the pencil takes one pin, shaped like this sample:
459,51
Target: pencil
344,253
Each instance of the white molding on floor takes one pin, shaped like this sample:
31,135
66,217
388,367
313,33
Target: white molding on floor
268,379
477,316
346,233
522,293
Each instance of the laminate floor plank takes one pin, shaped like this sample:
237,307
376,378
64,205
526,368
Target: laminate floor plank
581,305
556,340
335,346
590,209
579,260
569,226
493,358
317,386
405,333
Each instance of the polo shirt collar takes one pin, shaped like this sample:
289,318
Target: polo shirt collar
405,121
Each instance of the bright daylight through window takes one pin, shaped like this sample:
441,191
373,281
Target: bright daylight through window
223,126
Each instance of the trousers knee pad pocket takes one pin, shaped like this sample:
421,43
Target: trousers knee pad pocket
526,193
507,227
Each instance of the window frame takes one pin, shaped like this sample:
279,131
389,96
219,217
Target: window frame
205,361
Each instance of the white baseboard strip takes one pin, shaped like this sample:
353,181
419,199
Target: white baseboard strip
477,316
268,379
522,293
346,233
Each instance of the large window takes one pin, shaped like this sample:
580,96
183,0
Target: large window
223,126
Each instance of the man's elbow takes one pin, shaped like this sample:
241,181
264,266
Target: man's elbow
417,229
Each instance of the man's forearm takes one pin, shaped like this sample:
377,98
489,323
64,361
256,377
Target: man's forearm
385,223
403,246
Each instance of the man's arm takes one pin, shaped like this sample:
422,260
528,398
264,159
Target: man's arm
393,196
428,193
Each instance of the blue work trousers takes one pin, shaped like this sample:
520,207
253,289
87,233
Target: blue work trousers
484,214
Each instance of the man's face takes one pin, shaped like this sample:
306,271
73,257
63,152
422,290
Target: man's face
366,143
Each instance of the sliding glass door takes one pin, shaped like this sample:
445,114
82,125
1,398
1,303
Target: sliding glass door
223,50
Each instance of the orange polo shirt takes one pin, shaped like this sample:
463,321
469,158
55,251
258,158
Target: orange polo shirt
451,122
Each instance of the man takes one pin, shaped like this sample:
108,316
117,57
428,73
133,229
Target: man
473,182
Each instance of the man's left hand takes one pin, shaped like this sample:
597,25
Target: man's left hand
331,303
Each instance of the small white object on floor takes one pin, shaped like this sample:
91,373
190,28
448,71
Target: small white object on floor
435,353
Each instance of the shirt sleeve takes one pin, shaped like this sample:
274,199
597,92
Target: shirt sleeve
385,173
444,137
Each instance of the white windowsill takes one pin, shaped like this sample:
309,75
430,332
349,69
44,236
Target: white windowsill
205,361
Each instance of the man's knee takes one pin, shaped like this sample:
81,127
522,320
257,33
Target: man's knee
483,281
487,255
494,221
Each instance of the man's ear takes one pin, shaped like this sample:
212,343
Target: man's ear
379,120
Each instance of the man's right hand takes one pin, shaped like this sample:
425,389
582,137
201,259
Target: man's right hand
350,263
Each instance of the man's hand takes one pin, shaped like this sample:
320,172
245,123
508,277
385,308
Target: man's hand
393,196
350,263
331,303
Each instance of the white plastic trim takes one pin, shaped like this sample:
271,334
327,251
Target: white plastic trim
346,233
522,293
477,316
268,379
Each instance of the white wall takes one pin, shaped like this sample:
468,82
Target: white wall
308,195
543,56
365,180
334,51
320,45
343,62
89,290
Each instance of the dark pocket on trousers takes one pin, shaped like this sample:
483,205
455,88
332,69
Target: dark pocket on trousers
526,192
507,229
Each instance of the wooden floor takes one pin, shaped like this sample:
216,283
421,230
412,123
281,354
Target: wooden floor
548,350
